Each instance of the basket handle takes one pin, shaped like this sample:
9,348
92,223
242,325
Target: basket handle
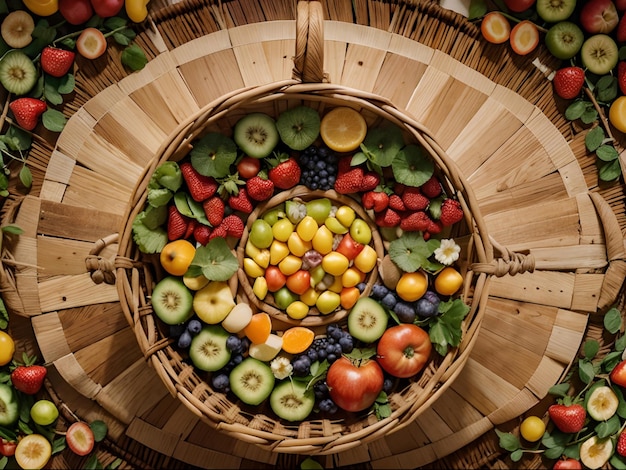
309,58
510,262
101,269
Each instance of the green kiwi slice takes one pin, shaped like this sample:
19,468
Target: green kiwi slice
208,349
251,381
299,127
172,301
553,11
367,320
292,400
564,40
599,54
256,134
17,72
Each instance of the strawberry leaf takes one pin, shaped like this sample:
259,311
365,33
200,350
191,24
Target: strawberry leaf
412,167
410,252
215,260
134,58
53,120
148,240
167,175
381,145
213,154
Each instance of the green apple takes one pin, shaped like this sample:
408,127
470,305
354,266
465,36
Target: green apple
360,231
261,234
9,406
44,412
282,229
214,302
283,297
319,209
273,215
345,215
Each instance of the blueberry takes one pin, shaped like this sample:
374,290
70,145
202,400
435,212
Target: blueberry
432,297
321,165
220,382
310,164
336,334
301,367
425,308
321,354
389,300
194,326
233,344
313,185
388,385
184,340
327,406
405,312
324,152
312,353
361,286
347,344
331,357
320,389
379,291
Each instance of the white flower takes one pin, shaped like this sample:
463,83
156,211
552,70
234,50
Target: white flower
448,252
281,367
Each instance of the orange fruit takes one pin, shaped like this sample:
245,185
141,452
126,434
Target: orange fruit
448,281
259,328
412,286
176,256
343,129
349,296
297,339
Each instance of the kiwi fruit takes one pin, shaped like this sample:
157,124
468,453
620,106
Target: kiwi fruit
256,134
564,40
252,381
172,301
599,54
367,320
291,400
208,349
553,11
16,29
298,127
9,405
17,73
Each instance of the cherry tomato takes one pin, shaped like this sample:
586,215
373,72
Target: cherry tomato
299,282
7,348
403,350
275,278
248,167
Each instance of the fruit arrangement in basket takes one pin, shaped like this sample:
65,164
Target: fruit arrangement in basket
310,260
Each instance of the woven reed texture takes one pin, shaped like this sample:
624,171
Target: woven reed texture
72,181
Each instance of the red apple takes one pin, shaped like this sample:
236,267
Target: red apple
518,6
354,384
75,11
348,247
599,16
621,30
620,5
567,464
403,350
618,374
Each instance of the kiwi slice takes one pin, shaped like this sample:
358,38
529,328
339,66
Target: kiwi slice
292,400
298,127
552,11
16,29
9,405
256,134
252,381
564,40
367,320
17,73
172,301
208,349
599,54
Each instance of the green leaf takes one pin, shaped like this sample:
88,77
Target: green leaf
213,154
607,153
216,260
410,252
621,406
92,462
167,175
148,241
412,166
58,445
620,344
589,116
559,390
17,139
517,455
197,211
609,427
508,441
67,83
554,452
612,320
115,22
115,464
159,197
594,138
99,429
26,177
576,110
53,120
154,217
586,371
617,462
134,58
610,171
606,88
383,145
611,360
477,9
358,158
121,39
591,348
51,93
310,464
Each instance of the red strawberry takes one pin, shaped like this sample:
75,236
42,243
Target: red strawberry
568,418
370,180
451,212
200,187
434,227
568,82
219,231
349,181
202,234
621,75
28,378
214,210
56,62
191,226
395,203
176,224
286,174
414,200
388,218
377,200
240,201
621,30
27,112
260,189
416,222
621,444
431,188
234,225
344,165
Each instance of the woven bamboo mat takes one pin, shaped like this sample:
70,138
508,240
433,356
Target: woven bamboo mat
493,113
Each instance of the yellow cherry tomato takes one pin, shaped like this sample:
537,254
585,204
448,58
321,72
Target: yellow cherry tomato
412,286
137,10
532,428
7,348
617,114
42,7
448,281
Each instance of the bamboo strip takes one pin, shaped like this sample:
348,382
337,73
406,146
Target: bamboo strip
518,405
564,341
152,437
50,336
161,65
388,83
73,291
587,289
102,103
573,178
361,67
76,131
59,220
60,167
202,46
570,257
547,373
58,256
199,456
93,191
74,375
541,287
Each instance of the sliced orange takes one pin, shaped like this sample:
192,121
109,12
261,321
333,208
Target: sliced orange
259,328
297,339
343,129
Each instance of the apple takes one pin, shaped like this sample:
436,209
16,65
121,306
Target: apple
518,6
360,231
213,302
567,464
599,16
176,256
354,384
618,374
283,297
367,259
620,5
403,350
319,209
44,412
349,247
107,8
299,282
261,234
327,302
275,278
75,12
7,448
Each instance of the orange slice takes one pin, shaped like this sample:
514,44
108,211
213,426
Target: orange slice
343,129
259,328
297,339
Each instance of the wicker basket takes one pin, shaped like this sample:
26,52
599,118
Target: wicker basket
137,273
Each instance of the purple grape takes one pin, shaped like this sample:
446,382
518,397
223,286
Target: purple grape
184,340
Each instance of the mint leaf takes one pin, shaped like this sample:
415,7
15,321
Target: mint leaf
607,153
147,240
213,154
594,138
99,429
53,120
410,252
508,441
134,58
610,171
215,260
26,177
612,320
411,166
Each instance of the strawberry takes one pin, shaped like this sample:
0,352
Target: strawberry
219,231
451,212
202,234
371,179
259,188
621,75
28,378
286,174
344,165
377,200
240,201
568,418
234,225
431,188
214,210
434,227
56,62
568,82
388,218
621,30
176,224
349,181
27,112
414,200
621,444
416,222
191,226
395,203
200,187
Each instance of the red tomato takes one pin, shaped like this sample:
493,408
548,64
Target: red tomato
567,464
354,386
519,6
7,448
299,282
248,167
275,278
403,350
